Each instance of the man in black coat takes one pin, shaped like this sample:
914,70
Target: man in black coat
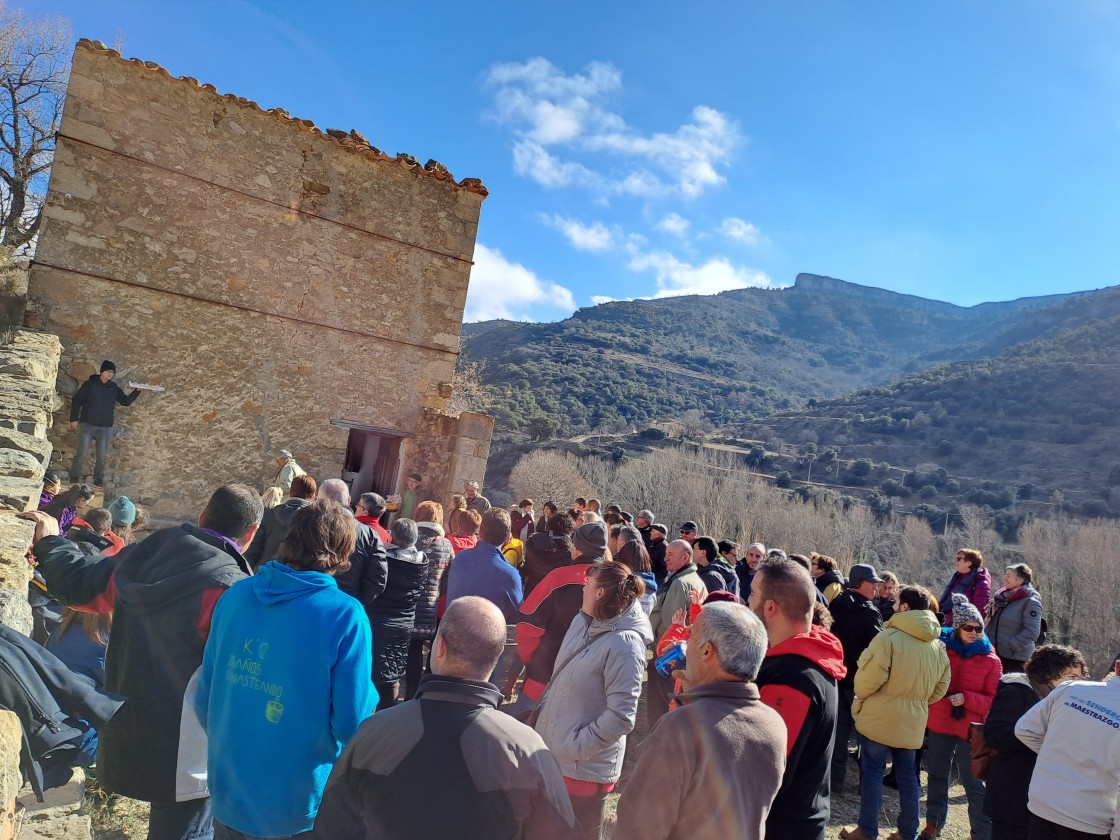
162,592
644,523
855,621
656,549
495,776
274,525
91,416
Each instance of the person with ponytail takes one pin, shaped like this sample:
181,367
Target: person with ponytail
591,702
65,506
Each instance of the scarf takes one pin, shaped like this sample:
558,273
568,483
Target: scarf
978,648
1004,597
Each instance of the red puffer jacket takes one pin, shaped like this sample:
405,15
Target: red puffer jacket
977,678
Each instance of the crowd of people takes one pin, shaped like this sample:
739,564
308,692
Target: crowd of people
303,663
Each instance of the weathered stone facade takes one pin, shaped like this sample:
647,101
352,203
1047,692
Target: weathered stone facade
272,277
28,367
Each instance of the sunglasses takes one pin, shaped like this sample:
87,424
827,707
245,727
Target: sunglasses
971,628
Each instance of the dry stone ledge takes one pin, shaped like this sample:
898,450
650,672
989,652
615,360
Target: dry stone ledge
11,780
28,367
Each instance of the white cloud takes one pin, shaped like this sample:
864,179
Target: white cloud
549,109
674,224
741,231
533,160
676,277
594,237
503,289
601,299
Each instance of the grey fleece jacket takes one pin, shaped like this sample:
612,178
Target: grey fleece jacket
591,704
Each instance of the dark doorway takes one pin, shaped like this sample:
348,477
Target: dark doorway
373,460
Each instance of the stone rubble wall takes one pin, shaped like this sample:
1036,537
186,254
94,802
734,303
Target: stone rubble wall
28,367
271,277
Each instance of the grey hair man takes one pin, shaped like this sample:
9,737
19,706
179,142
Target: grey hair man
288,469
475,502
676,593
497,776
644,521
369,569
722,736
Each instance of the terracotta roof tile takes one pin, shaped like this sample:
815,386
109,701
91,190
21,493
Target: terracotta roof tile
353,140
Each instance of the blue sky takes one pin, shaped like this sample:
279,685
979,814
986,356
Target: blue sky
956,150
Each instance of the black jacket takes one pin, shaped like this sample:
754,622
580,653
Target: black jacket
407,570
855,622
274,527
438,551
1009,777
543,553
162,591
82,534
799,677
746,579
717,576
544,618
827,579
46,695
657,560
494,776
95,401
368,572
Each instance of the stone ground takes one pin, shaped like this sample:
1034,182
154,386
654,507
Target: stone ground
60,817
119,818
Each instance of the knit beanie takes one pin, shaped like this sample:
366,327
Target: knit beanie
123,511
590,539
107,365
964,612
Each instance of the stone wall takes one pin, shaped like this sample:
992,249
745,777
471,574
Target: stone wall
28,366
271,276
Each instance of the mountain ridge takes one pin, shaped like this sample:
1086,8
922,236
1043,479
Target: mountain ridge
739,354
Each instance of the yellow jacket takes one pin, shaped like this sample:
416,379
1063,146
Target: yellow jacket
903,671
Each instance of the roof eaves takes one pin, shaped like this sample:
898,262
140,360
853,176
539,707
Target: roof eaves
353,140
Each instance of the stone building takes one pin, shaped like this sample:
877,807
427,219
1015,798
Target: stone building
290,288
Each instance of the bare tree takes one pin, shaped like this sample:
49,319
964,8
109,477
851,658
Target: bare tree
547,475
976,529
1075,565
468,391
696,423
34,66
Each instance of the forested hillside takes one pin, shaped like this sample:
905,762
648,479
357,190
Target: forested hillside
737,355
1039,422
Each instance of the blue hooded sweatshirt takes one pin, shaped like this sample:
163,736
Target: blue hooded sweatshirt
284,684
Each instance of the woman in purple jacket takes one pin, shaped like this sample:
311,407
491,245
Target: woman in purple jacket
65,506
971,580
